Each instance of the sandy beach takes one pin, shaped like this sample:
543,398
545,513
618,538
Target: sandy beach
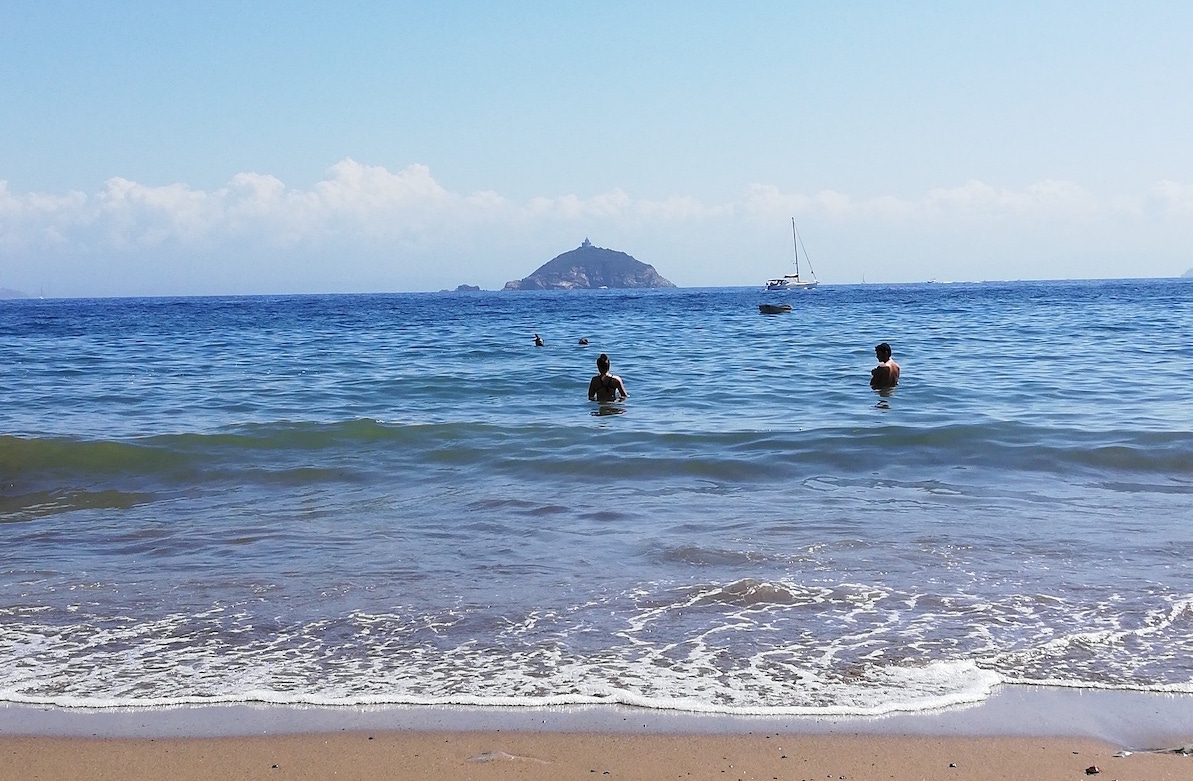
523,755
1019,733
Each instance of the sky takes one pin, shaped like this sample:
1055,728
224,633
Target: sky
220,148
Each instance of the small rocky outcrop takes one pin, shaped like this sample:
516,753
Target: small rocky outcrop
588,267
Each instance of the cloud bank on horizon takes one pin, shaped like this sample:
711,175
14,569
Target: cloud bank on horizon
364,228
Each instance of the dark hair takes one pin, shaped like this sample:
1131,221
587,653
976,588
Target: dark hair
602,363
883,349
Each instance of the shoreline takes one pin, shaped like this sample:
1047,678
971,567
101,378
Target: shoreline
1127,719
1020,732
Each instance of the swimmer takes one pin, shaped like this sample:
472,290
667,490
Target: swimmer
538,341
605,386
886,373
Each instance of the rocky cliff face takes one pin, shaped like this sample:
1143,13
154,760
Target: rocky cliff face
587,267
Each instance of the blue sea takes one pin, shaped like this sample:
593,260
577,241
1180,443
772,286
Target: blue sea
371,499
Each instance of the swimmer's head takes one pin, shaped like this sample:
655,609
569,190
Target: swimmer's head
883,351
602,363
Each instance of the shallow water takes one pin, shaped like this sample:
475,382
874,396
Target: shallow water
399,499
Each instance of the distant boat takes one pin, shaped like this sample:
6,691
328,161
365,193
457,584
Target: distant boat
794,281
774,309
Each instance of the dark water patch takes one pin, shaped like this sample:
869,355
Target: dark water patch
691,554
40,504
1170,487
23,456
749,592
548,510
500,504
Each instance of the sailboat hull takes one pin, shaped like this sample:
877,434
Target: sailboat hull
790,284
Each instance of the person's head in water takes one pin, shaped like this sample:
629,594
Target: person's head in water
883,352
603,363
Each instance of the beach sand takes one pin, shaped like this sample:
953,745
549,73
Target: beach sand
1017,733
395,756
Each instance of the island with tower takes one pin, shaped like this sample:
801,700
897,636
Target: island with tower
590,267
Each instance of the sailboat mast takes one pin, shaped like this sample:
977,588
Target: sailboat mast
795,245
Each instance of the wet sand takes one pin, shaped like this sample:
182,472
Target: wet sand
1033,733
396,756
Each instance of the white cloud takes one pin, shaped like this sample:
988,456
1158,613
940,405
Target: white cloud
357,203
974,201
1049,199
1174,198
369,226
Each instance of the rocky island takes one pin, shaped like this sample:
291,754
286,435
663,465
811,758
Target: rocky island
588,267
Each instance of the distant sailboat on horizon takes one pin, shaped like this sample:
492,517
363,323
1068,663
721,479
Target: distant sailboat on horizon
794,281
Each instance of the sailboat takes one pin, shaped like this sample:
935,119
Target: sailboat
794,281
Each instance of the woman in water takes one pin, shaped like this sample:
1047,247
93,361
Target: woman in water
605,386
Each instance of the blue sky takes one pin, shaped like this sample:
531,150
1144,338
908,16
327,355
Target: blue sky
213,148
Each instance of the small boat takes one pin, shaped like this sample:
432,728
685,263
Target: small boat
774,309
794,281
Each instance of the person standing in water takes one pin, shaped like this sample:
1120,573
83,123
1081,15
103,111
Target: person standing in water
605,386
886,373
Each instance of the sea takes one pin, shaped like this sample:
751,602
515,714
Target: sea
361,500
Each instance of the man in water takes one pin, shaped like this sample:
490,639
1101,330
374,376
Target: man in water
605,386
886,373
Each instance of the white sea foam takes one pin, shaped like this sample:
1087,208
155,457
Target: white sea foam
938,686
147,665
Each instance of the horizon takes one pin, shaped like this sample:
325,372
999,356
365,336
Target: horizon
23,296
221,149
